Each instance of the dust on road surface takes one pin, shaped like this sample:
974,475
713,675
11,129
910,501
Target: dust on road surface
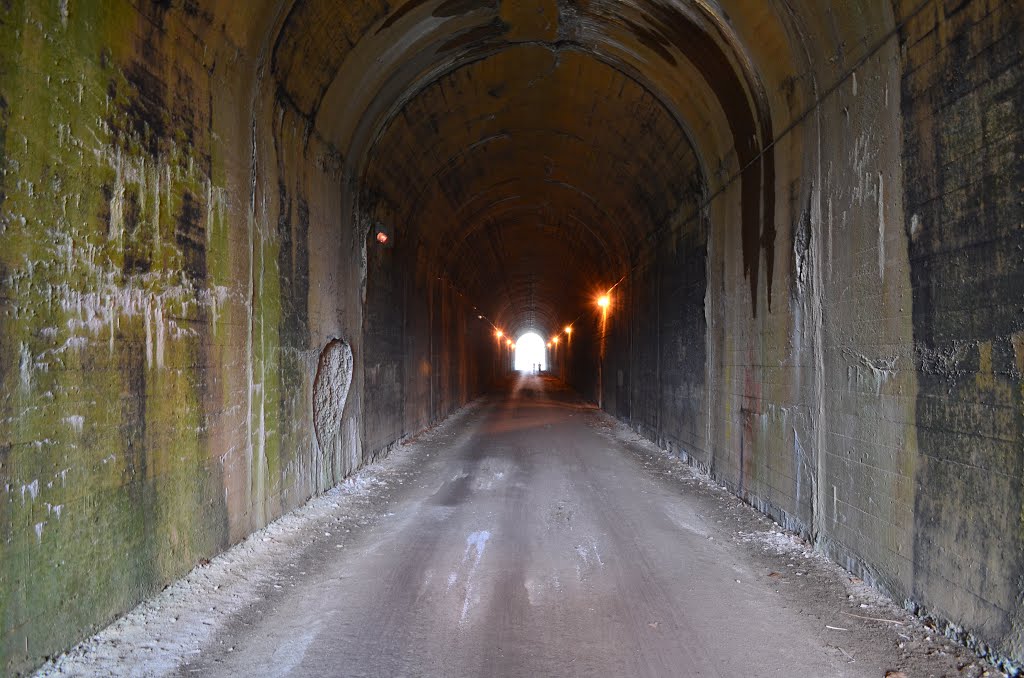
532,536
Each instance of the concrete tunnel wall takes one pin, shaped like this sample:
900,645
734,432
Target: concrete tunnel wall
813,209
869,395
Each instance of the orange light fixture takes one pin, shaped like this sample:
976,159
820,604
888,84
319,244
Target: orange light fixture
603,301
549,344
568,329
381,233
554,340
499,334
508,342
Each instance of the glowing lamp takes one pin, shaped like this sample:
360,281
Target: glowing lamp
603,301
508,342
499,334
554,340
382,234
568,329
549,344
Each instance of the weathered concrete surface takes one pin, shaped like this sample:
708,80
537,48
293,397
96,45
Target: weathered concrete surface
812,211
868,394
530,536
173,261
963,99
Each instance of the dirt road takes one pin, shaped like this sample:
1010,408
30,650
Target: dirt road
531,540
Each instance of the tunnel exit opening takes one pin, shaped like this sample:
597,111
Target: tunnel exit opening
531,353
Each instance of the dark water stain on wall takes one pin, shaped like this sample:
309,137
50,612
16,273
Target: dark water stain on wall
293,266
104,215
139,492
144,110
450,8
402,11
293,326
156,105
183,111
967,275
684,344
190,235
661,353
651,40
138,242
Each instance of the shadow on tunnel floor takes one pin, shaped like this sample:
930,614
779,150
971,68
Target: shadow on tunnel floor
524,386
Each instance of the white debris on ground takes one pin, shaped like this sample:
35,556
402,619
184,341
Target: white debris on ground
781,543
618,431
777,542
154,638
160,634
774,540
916,637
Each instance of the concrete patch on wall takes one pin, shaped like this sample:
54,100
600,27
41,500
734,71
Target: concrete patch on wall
330,392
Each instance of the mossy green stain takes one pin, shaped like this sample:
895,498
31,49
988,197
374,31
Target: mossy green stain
4,115
128,502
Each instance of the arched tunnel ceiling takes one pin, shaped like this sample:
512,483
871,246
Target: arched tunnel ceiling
529,175
530,148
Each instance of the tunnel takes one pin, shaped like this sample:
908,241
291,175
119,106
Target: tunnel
246,249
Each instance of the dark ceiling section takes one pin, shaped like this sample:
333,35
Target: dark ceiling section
531,154
532,175
316,37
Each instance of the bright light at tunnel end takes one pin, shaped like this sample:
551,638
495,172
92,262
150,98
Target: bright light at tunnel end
531,353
